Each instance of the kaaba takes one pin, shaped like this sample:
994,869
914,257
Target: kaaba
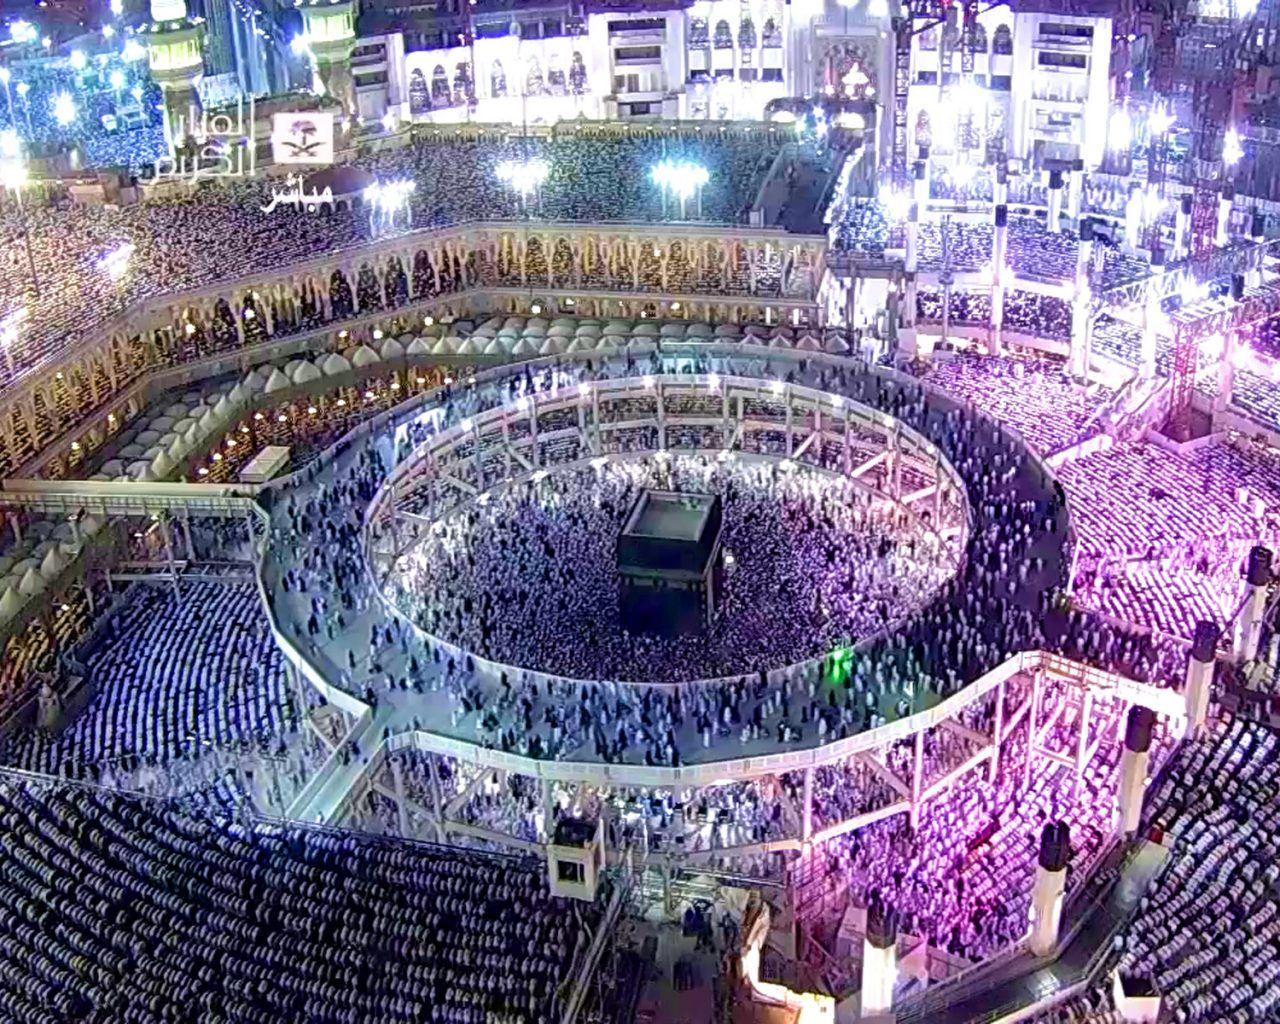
668,554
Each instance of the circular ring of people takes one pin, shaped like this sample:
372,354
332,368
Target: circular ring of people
529,471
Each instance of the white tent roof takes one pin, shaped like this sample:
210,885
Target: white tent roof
32,583
335,364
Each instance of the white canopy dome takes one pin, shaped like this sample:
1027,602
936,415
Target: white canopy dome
334,364
162,466
364,356
277,382
10,604
32,583
52,565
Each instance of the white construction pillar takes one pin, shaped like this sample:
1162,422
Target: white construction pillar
1000,189
1248,624
1227,371
548,810
1133,219
397,779
1081,344
1257,235
806,812
1075,191
1222,230
879,960
1182,228
917,779
1200,676
997,735
1133,769
1055,202
1151,319
905,327
999,247
1051,882
1033,726
920,184
1082,739
911,258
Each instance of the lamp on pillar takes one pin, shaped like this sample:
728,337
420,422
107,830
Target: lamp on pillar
1050,884
175,52
879,961
1200,675
329,27
1133,768
1248,625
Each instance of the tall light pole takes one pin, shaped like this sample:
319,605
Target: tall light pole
682,179
13,176
5,75
523,177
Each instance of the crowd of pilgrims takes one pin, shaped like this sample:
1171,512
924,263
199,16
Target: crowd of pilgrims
962,877
35,86
1037,398
530,577
1001,603
1161,536
1206,936
124,909
985,832
865,227
218,230
187,686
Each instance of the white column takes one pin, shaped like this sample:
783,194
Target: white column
917,779
1051,882
1055,202
1248,624
1133,769
879,961
999,247
1081,350
921,184
1222,230
1082,738
1150,320
1182,228
1226,371
1257,234
1200,676
997,735
806,812
396,777
1075,192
